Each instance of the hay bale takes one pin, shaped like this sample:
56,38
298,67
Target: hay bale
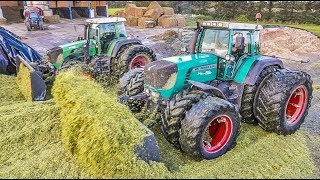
154,5
160,19
52,19
132,21
181,21
153,13
129,9
141,21
154,10
168,21
140,11
98,131
168,11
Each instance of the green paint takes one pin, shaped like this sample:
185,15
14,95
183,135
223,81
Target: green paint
76,48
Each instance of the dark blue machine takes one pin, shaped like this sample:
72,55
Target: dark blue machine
34,20
10,47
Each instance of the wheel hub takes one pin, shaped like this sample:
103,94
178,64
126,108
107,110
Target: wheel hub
138,61
296,105
217,134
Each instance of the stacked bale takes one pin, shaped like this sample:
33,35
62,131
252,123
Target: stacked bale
151,16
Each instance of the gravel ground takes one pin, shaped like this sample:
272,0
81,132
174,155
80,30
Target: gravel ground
282,42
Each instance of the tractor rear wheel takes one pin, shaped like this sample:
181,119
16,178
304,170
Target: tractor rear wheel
249,91
136,56
210,128
175,112
131,85
28,26
41,25
282,101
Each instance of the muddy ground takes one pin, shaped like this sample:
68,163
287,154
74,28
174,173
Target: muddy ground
286,43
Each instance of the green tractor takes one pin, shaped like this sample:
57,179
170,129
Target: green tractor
224,80
106,48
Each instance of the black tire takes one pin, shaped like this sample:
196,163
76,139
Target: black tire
175,112
134,51
270,105
134,75
131,85
195,124
249,91
28,26
41,25
115,60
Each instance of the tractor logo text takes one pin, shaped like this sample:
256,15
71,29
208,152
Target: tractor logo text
205,73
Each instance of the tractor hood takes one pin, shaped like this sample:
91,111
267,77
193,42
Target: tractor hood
57,54
169,75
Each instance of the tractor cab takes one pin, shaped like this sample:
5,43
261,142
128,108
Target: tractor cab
104,30
230,42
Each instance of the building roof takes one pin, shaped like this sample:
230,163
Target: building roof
230,25
105,20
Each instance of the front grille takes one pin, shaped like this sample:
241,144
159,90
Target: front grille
160,74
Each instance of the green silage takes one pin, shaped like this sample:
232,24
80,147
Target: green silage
24,82
89,135
99,132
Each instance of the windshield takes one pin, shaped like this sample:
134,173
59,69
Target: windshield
215,41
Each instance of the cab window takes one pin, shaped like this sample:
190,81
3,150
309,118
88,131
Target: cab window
215,41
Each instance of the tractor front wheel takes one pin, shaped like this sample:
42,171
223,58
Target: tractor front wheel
283,100
174,113
210,128
131,86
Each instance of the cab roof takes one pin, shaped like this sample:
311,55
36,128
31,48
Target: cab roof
230,25
105,20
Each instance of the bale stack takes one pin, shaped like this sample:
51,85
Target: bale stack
151,16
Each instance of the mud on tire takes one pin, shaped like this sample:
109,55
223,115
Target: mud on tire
249,91
210,128
283,100
133,57
131,85
175,112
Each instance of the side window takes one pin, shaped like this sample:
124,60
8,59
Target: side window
107,30
238,37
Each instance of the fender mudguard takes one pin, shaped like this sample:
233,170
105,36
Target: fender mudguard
124,42
258,66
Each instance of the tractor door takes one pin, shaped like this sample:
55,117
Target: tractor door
107,34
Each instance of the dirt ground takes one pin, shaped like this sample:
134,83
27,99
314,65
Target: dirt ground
284,42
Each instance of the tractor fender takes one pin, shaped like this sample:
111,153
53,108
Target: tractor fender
258,66
209,89
124,42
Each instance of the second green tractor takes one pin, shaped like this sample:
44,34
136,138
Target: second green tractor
224,80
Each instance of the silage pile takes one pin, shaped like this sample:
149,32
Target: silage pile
30,144
98,131
288,42
24,82
98,134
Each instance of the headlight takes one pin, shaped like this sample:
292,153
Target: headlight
147,90
229,57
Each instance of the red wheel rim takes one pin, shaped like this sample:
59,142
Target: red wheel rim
139,61
296,105
217,134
